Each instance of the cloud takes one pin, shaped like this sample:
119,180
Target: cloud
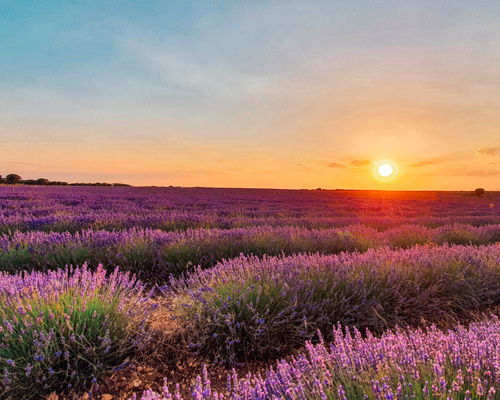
337,165
487,152
423,163
474,172
360,163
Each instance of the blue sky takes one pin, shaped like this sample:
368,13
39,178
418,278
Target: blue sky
256,93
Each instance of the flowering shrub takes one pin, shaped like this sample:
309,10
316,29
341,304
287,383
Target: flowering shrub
153,254
459,364
60,330
251,308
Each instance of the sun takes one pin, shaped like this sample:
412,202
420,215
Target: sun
385,170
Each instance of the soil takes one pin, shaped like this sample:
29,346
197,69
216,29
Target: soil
124,384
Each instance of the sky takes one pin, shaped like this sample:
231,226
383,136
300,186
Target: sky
282,94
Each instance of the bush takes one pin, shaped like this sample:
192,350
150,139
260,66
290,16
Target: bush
251,308
62,329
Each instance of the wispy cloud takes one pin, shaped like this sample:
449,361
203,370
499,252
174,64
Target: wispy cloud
337,165
478,172
423,163
353,163
487,152
360,163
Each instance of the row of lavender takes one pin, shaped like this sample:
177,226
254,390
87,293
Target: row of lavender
250,308
155,254
63,329
75,208
456,365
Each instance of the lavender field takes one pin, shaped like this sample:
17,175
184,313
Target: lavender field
289,294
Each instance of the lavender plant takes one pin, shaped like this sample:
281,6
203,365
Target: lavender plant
455,365
250,308
155,254
72,209
60,330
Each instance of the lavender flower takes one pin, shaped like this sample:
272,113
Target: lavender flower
301,377
58,318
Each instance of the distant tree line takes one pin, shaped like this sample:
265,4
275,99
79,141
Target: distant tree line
14,179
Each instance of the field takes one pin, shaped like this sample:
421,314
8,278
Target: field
248,294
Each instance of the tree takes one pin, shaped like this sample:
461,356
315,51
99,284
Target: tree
479,192
12,179
42,181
